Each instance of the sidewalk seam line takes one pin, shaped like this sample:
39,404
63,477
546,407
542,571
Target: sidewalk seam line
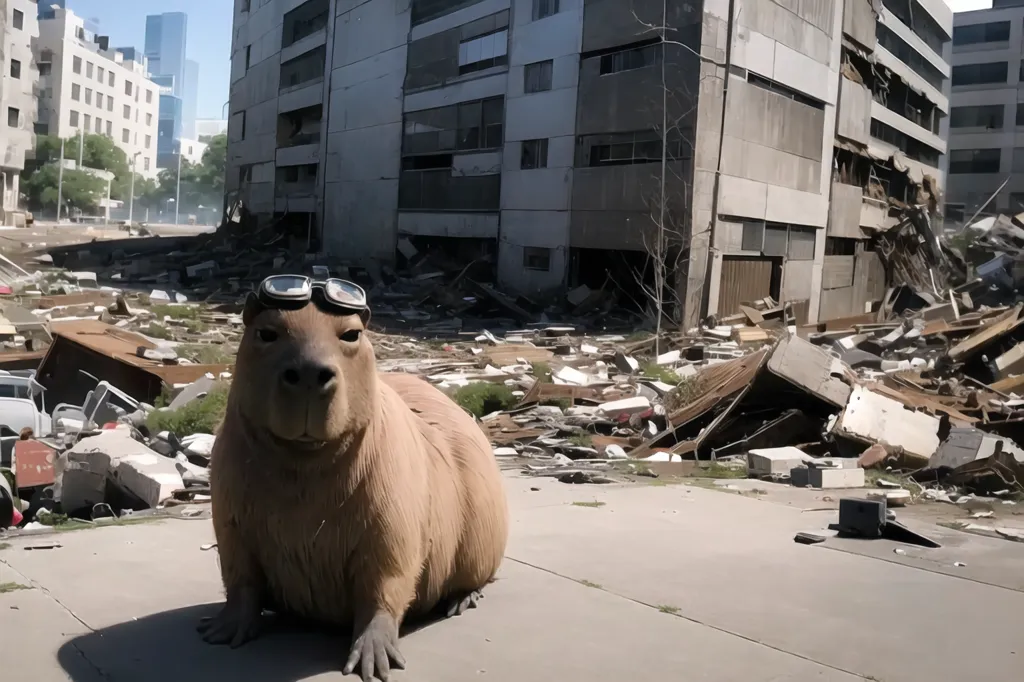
695,621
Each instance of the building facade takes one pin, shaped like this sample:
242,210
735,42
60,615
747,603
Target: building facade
986,136
568,142
166,37
19,80
207,128
84,86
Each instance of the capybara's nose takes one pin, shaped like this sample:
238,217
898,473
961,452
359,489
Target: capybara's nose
309,376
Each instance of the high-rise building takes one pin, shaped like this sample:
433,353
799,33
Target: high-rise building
987,117
46,8
19,79
562,138
87,87
166,36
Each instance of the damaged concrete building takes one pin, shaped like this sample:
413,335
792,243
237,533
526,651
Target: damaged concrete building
19,81
531,132
987,118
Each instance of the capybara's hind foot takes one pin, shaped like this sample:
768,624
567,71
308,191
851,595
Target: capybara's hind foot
238,622
375,650
459,604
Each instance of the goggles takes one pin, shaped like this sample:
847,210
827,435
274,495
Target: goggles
291,292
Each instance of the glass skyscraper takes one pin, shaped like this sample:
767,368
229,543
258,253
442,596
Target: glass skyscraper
165,48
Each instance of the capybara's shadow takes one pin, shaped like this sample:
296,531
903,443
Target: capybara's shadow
166,647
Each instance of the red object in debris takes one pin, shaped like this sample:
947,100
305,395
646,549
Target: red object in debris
33,464
109,426
5,290
17,518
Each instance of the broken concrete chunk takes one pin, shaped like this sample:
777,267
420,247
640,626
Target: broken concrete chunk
626,407
626,363
775,461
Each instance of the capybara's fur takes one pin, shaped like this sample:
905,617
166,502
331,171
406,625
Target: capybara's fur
335,498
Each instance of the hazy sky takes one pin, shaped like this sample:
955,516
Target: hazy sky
966,5
209,37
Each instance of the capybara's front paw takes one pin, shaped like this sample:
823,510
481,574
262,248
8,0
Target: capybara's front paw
460,604
376,649
237,623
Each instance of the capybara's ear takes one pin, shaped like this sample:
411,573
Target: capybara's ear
365,317
252,308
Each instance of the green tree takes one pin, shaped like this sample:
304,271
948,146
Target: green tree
80,189
214,165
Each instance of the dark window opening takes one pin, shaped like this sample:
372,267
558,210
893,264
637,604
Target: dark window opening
425,10
18,19
537,258
459,127
304,20
989,116
617,149
427,162
537,76
910,146
483,52
993,32
913,15
780,89
544,8
974,161
15,68
13,117
533,154
840,246
629,60
980,74
909,56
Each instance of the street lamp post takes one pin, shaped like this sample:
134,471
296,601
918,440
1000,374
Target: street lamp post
60,179
131,200
177,191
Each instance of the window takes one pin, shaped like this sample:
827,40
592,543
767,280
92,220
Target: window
248,56
110,78
780,89
243,126
536,258
533,154
88,95
1018,160
126,135
465,126
99,100
128,111
305,20
19,19
245,6
544,8
291,173
974,161
110,102
128,88
617,149
15,68
73,118
840,246
801,243
86,122
425,10
99,126
628,60
110,129
977,117
149,138
99,73
145,163
76,64
1020,114
537,76
980,74
76,91
994,32
45,69
88,69
149,96
483,52
149,119
909,56
305,68
13,117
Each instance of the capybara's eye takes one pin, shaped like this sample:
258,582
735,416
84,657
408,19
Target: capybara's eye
351,336
266,335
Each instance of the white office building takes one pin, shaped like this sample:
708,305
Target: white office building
85,86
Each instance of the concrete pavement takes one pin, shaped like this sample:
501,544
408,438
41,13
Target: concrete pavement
658,582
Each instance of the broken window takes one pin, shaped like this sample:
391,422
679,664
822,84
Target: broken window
536,258
912,147
533,154
962,161
988,116
537,76
628,60
980,74
992,32
484,52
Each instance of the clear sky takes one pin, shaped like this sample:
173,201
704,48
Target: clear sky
209,37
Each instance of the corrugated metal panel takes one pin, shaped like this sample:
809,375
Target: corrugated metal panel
837,303
743,280
837,272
